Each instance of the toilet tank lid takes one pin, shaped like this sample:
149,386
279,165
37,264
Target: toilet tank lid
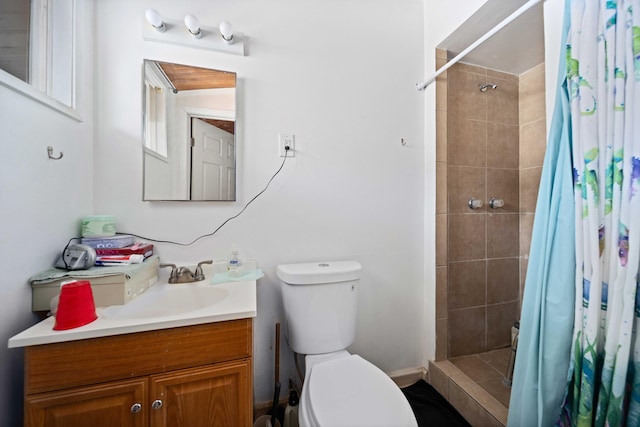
319,272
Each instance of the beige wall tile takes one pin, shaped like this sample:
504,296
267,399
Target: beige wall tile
442,338
500,318
503,184
441,53
467,237
441,292
441,239
502,103
467,284
466,141
529,186
533,137
503,235
532,97
441,187
524,264
464,183
526,230
463,97
438,379
442,91
503,145
503,280
467,331
441,136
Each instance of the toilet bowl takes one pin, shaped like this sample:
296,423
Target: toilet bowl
348,391
340,389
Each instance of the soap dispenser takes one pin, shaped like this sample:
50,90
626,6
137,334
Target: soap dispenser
234,265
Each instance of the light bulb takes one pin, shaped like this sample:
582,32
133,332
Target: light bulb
154,18
192,24
227,32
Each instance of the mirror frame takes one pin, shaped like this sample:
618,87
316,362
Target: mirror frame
182,119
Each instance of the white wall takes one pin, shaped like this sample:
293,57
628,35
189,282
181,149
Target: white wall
339,77
42,201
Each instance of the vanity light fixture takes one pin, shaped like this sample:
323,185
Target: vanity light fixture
220,39
155,19
226,31
192,24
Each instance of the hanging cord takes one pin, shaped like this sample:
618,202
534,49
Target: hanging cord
227,220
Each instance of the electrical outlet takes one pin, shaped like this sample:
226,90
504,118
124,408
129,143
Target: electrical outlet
287,140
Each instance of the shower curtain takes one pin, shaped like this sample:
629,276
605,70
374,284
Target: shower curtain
603,71
546,319
597,117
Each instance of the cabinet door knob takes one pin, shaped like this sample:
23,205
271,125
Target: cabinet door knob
157,404
136,407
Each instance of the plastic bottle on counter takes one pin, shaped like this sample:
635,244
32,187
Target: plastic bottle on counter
234,265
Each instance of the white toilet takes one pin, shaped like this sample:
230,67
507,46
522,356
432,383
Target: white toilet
340,389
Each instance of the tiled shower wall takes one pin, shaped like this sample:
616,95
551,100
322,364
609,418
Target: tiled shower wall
487,146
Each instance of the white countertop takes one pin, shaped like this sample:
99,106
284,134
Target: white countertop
233,300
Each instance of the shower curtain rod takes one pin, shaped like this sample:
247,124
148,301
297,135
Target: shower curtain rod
528,5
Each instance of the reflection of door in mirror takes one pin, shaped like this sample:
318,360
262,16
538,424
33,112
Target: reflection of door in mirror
189,133
212,160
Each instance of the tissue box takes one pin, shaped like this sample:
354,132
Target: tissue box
115,289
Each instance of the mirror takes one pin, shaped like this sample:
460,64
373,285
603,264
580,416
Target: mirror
189,146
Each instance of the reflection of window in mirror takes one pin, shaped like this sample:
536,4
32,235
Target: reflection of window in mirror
155,120
38,40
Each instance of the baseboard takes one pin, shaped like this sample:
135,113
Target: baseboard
406,377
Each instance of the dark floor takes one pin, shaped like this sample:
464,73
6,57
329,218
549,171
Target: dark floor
488,370
430,408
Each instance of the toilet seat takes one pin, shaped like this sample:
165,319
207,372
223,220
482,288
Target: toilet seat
350,391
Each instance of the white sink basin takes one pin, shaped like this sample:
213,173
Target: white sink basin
169,300
162,306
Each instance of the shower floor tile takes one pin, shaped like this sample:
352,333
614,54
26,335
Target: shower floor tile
488,369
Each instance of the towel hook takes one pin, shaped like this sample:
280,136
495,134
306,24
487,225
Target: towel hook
50,153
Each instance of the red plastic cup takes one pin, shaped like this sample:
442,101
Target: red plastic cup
76,306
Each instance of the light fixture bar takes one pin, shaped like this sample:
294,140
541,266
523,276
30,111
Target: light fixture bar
211,39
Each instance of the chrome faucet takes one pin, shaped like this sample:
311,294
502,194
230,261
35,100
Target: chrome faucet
184,275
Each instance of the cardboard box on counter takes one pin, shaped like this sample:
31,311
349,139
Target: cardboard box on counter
115,289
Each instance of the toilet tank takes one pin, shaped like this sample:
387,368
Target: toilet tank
320,304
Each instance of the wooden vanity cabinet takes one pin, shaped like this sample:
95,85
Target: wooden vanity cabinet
189,376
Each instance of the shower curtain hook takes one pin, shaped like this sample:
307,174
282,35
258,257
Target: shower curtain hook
50,153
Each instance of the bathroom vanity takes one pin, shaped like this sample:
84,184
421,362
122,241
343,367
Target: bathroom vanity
131,367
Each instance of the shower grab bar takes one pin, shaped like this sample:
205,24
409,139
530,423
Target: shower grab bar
528,5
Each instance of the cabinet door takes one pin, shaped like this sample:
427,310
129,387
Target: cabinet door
105,405
213,395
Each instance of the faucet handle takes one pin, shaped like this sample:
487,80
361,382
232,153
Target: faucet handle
174,271
199,274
